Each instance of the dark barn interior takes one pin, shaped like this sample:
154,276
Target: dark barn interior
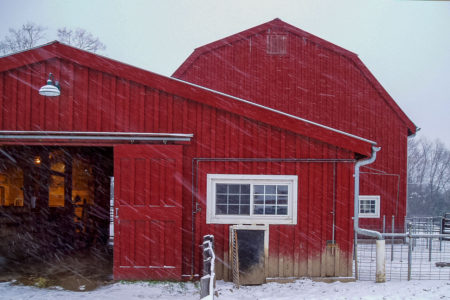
55,210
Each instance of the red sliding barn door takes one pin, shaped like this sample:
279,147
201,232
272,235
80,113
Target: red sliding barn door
147,192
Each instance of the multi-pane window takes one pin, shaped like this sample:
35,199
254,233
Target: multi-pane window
232,199
270,199
369,206
248,199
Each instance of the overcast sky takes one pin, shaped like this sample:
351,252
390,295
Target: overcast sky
406,44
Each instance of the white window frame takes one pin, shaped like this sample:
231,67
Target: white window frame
377,206
290,180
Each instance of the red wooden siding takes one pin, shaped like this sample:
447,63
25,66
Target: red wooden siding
316,81
97,101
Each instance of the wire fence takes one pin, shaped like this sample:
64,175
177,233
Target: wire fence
408,258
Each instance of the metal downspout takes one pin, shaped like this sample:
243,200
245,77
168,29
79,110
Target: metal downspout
360,163
380,275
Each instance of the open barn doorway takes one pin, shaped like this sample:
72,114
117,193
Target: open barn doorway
55,213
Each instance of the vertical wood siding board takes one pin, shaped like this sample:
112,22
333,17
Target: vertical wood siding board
147,110
84,97
76,110
241,136
325,209
68,110
59,102
49,117
311,218
6,107
99,101
141,108
112,105
120,108
106,105
20,98
170,113
34,97
61,110
14,100
2,99
126,106
349,221
90,108
297,228
28,92
156,110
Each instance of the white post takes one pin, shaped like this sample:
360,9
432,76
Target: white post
381,261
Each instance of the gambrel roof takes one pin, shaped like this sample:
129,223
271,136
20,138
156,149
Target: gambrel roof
280,25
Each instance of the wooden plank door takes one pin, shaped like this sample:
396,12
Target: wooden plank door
148,186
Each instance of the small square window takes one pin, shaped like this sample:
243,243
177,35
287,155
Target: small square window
369,206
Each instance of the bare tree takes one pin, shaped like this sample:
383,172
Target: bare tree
428,177
26,37
80,38
30,35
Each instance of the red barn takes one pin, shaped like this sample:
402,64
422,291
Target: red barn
186,161
280,66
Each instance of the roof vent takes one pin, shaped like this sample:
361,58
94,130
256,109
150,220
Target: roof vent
276,43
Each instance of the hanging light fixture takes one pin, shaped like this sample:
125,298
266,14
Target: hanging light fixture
51,89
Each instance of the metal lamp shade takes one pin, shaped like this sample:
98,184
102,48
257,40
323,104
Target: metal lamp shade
49,90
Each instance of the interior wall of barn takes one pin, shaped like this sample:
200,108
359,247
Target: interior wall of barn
56,201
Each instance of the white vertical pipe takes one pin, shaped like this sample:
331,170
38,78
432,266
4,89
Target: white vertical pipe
381,261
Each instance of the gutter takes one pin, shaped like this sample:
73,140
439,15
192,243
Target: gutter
360,163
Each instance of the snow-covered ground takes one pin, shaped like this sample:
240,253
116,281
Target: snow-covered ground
300,289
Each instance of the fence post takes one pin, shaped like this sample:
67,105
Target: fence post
410,242
392,239
441,225
207,280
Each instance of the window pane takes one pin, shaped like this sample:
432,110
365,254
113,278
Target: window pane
271,189
233,209
221,188
282,189
270,210
245,210
282,200
245,188
221,199
258,189
258,209
233,199
282,210
245,199
258,199
234,188
229,198
270,199
221,209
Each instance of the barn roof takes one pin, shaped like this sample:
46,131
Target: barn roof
279,24
190,91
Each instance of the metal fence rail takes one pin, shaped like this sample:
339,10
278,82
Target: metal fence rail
424,255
